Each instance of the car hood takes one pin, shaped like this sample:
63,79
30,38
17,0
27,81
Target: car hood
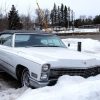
60,57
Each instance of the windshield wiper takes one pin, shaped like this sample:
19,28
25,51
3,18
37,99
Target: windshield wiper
53,46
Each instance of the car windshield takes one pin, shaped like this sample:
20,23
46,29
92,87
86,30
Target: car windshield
37,40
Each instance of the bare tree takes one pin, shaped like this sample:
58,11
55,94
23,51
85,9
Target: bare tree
28,23
42,19
3,19
47,16
38,17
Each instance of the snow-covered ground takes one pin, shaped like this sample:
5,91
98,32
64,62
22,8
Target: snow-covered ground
67,87
88,45
8,86
79,30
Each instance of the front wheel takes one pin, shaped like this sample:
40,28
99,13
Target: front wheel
25,81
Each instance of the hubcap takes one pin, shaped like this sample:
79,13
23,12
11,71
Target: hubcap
25,80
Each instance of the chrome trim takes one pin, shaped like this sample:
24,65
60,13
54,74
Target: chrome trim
34,75
37,84
6,63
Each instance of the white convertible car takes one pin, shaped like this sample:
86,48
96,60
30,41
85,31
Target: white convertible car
36,58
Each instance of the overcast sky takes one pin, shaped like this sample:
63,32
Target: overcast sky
80,7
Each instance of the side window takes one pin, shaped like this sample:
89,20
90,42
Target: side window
22,38
6,39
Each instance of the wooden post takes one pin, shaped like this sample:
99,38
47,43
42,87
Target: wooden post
79,46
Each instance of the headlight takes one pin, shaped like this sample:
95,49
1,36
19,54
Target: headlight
44,76
45,67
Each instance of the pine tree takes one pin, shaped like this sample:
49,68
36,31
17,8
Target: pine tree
68,16
55,14
62,15
65,17
52,17
59,17
97,19
13,19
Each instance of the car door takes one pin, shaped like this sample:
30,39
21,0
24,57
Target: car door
6,57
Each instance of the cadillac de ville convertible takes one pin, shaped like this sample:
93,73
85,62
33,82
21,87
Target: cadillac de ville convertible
38,58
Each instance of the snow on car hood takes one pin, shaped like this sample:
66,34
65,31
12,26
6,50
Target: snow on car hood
58,56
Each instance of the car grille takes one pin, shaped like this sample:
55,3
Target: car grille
55,73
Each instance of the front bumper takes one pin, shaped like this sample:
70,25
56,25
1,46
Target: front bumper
56,73
37,84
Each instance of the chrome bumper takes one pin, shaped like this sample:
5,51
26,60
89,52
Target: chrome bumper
37,84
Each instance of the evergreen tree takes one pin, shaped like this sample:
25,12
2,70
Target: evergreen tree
62,15
68,16
59,17
52,17
55,14
65,17
97,19
14,20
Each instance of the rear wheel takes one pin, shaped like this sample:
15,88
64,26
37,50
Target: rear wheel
25,81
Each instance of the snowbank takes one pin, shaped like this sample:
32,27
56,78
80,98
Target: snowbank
88,45
67,88
11,93
8,92
79,30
